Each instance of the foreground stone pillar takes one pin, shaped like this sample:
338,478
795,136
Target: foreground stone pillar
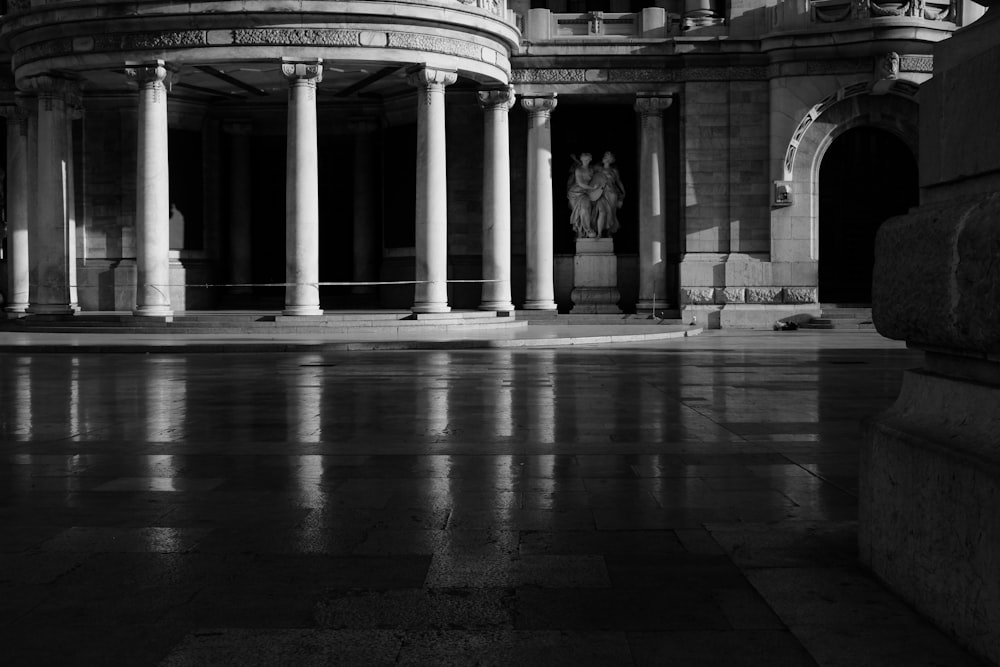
17,208
48,234
240,244
929,484
431,290
652,192
152,218
496,199
540,284
366,222
302,190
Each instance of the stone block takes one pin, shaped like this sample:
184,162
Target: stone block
929,491
731,295
936,278
764,295
800,295
698,295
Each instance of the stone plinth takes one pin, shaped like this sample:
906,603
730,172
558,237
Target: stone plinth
929,485
595,277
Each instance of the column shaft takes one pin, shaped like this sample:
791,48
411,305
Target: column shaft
496,199
540,288
240,245
17,209
302,191
652,216
152,218
431,290
366,222
48,237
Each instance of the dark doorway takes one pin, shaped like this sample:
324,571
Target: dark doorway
867,176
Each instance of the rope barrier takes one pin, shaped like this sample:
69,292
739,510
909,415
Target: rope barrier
326,284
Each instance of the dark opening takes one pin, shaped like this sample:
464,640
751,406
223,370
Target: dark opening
867,176
595,129
186,194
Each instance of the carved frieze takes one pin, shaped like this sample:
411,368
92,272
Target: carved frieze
296,37
640,75
916,64
800,295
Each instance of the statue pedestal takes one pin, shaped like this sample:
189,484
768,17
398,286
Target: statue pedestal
595,277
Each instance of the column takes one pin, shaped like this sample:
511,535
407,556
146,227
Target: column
496,199
430,294
240,247
540,288
48,235
366,221
652,193
302,190
74,111
17,207
152,196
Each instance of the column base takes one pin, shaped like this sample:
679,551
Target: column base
502,306
50,309
153,311
539,304
303,311
647,306
16,309
430,308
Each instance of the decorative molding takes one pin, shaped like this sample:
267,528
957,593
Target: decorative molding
641,75
319,37
916,63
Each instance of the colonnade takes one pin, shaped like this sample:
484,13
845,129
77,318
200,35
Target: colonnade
42,253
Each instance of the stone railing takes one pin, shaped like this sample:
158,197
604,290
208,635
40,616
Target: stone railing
651,23
833,11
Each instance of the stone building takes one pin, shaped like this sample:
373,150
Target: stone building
164,156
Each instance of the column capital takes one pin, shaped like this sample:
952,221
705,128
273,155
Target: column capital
310,71
646,103
152,73
541,104
496,98
237,127
428,77
50,85
14,113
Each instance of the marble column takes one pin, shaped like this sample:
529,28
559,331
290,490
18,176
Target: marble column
366,221
496,104
540,287
431,290
48,235
302,190
652,198
152,197
240,247
17,207
74,111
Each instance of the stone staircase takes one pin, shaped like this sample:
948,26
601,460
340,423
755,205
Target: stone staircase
360,322
842,317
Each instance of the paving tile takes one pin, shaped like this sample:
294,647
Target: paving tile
417,609
307,647
505,647
735,648
671,503
594,609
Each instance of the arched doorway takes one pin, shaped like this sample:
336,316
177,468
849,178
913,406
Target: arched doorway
867,175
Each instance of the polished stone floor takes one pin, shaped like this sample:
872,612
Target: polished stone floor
682,502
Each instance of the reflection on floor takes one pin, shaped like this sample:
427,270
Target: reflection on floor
685,502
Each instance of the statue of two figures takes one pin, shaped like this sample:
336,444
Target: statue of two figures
595,194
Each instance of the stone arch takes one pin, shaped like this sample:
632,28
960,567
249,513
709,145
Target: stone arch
855,106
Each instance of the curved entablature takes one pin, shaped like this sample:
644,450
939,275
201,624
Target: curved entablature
87,40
